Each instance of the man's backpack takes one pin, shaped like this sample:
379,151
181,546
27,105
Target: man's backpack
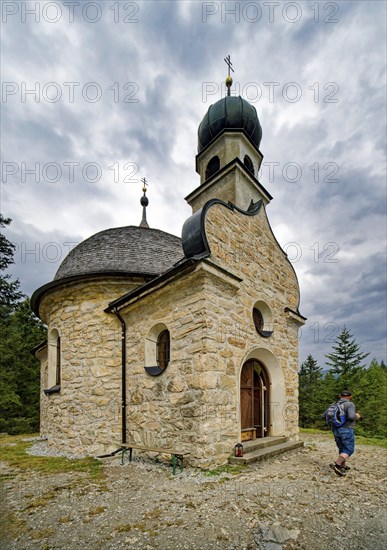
335,415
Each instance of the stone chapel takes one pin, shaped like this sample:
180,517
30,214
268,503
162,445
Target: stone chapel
188,343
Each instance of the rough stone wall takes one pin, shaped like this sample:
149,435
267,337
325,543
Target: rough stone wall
246,246
42,356
191,405
166,411
85,417
194,404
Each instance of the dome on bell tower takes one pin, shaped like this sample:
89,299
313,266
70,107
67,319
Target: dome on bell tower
229,113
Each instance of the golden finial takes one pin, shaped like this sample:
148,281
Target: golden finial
228,80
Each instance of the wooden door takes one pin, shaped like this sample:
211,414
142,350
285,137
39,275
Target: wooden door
254,400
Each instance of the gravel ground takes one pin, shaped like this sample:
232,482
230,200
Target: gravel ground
294,501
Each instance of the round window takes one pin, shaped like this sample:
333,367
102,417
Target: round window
263,319
258,320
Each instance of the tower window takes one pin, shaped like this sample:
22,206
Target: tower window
212,167
249,164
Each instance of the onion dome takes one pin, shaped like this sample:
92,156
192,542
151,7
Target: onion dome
229,113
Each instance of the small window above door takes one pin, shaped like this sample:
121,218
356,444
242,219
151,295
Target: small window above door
263,319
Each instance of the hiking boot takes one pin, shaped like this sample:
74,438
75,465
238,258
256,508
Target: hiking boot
337,469
346,468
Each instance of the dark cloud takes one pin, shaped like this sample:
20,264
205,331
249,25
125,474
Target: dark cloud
169,56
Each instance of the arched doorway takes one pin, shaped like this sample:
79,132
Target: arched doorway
254,400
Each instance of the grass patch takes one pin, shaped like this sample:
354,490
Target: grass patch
65,519
129,527
13,451
12,527
97,510
178,523
190,504
44,533
154,514
40,501
44,498
379,441
360,439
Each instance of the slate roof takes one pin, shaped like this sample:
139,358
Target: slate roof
131,249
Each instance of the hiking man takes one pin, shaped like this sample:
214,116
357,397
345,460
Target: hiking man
345,434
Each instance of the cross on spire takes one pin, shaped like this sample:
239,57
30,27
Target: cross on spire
229,64
145,184
229,78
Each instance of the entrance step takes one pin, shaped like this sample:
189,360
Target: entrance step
260,449
262,442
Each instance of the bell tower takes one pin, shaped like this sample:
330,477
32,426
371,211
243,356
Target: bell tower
229,158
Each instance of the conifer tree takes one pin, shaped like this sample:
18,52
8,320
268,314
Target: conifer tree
20,332
310,379
370,396
346,357
10,293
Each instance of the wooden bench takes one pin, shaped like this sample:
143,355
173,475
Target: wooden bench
177,457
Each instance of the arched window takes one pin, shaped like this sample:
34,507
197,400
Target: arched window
54,363
249,164
163,349
157,349
58,358
212,167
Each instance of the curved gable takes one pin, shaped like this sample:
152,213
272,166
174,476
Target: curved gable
194,238
242,241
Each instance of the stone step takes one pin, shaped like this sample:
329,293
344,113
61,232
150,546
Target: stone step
262,442
265,452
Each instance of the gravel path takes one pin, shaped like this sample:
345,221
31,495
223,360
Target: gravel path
290,502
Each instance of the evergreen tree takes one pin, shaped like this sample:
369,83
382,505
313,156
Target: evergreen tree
370,397
10,293
330,390
20,332
310,386
346,358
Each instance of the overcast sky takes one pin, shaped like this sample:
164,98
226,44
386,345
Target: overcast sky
97,95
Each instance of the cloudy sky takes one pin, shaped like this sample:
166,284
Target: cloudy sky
97,95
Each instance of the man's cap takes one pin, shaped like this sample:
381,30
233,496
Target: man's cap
346,393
